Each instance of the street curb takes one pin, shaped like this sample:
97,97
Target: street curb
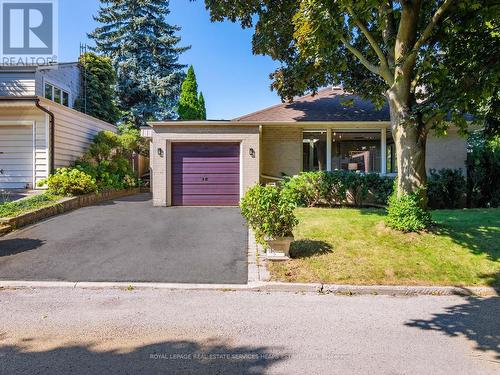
385,290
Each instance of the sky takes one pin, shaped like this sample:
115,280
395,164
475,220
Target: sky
234,81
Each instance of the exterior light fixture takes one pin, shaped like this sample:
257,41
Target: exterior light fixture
252,153
160,152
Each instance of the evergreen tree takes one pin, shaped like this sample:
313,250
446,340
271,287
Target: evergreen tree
144,52
189,107
202,107
98,95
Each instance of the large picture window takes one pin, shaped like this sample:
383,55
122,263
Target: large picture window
357,150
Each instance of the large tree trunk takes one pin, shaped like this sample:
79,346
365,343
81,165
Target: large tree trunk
410,137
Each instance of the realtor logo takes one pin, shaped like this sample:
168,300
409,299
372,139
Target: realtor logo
28,32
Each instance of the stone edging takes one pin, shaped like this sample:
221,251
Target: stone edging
64,205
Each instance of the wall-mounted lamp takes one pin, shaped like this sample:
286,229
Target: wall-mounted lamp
160,152
252,153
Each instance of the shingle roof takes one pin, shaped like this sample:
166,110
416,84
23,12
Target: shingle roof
327,105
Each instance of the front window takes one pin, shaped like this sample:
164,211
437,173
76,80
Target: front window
314,154
56,94
356,151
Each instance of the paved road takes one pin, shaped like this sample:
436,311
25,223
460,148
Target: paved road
61,331
130,240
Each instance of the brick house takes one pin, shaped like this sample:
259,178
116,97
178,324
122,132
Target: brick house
215,162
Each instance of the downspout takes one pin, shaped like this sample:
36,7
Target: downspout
52,131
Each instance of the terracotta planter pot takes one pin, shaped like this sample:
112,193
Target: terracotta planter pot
280,247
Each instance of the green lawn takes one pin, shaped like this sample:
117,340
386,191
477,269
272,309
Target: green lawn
351,246
10,209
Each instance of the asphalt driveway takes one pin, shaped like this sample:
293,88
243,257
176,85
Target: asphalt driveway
130,240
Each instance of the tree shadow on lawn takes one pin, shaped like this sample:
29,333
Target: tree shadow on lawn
479,239
169,357
478,320
308,248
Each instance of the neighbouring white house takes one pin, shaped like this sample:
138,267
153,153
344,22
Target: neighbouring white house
39,129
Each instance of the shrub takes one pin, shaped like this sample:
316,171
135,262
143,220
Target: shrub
446,188
70,181
357,188
109,174
335,187
380,187
405,213
306,189
269,212
108,158
483,170
332,188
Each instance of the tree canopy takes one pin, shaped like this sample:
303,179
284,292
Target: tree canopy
428,59
144,51
98,79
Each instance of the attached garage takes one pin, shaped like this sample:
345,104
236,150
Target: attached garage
208,163
16,155
205,174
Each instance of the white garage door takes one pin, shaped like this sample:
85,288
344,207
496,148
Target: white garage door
16,156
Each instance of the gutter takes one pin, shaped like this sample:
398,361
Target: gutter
52,132
52,123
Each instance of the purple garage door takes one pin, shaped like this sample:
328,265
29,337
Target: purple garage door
205,174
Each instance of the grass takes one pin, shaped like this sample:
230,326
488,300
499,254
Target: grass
10,209
351,246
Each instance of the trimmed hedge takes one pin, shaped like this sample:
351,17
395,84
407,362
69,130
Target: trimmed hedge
336,188
446,189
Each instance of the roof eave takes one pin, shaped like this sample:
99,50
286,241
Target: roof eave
158,124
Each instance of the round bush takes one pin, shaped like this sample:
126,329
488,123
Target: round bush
405,213
268,212
70,181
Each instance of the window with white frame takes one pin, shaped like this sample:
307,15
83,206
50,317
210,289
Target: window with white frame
56,94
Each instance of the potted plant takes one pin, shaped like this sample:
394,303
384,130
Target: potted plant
270,214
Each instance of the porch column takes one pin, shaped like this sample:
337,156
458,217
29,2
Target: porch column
383,150
329,149
311,155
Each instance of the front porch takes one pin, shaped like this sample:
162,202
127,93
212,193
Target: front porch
364,148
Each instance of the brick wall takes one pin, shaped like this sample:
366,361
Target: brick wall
281,151
449,151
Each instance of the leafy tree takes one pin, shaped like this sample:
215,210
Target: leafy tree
191,106
144,50
202,107
398,52
98,80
